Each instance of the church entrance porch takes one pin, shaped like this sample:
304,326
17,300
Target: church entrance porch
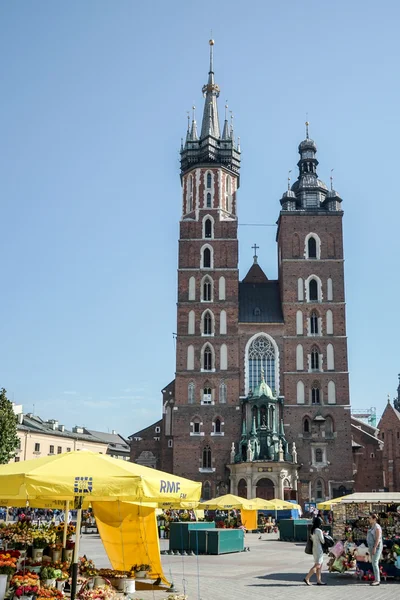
265,489
264,479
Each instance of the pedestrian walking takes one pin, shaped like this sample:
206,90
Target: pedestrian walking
318,541
375,545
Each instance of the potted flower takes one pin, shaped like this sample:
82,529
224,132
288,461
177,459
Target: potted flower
141,571
68,551
8,566
42,537
49,594
26,591
48,576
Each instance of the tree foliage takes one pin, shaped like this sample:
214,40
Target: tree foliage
9,441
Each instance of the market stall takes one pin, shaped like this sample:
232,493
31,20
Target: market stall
350,526
84,478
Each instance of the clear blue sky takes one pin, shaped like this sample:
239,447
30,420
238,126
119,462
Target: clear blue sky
94,97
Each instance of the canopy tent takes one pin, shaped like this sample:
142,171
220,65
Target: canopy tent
84,477
284,505
229,501
327,505
372,498
247,507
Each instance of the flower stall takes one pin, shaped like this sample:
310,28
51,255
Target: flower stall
350,526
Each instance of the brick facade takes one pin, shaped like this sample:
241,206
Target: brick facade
389,433
202,424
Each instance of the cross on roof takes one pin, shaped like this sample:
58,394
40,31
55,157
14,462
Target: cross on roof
255,248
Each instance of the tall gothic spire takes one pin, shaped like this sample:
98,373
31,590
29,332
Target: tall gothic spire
210,124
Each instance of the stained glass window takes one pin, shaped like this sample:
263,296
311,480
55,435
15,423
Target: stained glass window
261,356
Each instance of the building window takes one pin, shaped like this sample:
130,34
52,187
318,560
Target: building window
328,426
170,443
330,289
196,427
59,450
206,258
207,359
314,323
209,180
37,447
208,326
207,290
208,203
192,289
208,228
206,461
206,490
190,193
16,459
191,393
312,247
331,392
222,393
217,426
313,290
221,290
207,396
329,322
306,426
158,429
318,455
51,451
315,394
261,356
222,322
68,449
319,490
314,359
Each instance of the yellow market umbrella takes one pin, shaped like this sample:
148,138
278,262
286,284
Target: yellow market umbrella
227,502
328,503
283,505
89,477
261,504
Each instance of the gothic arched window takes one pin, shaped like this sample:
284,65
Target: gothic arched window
217,425
312,247
207,359
314,359
315,394
313,290
314,323
318,455
208,203
207,323
222,393
209,180
261,356
207,290
208,228
191,391
206,490
207,258
206,459
306,426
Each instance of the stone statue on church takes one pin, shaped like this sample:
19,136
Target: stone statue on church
250,454
281,453
294,452
233,453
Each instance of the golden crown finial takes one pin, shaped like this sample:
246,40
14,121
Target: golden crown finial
211,42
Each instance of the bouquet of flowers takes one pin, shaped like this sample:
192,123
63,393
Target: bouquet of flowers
86,567
100,593
49,593
43,536
8,563
26,590
26,579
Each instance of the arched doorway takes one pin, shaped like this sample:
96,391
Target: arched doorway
242,488
265,489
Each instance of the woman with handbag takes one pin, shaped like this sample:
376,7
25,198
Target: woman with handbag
318,542
375,545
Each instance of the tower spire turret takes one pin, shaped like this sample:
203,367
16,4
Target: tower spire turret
210,124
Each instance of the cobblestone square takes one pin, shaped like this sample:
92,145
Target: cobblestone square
271,569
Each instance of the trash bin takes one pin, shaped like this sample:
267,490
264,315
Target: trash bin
179,534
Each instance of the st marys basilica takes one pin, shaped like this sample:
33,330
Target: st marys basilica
260,401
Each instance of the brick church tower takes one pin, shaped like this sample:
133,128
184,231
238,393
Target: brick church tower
315,380
207,363
260,402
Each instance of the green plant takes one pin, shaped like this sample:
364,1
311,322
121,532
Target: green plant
9,441
48,573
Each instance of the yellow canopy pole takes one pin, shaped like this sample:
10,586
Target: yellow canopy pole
76,551
66,515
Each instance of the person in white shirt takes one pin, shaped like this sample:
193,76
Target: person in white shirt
317,537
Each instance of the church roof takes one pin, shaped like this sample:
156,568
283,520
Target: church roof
259,302
255,275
